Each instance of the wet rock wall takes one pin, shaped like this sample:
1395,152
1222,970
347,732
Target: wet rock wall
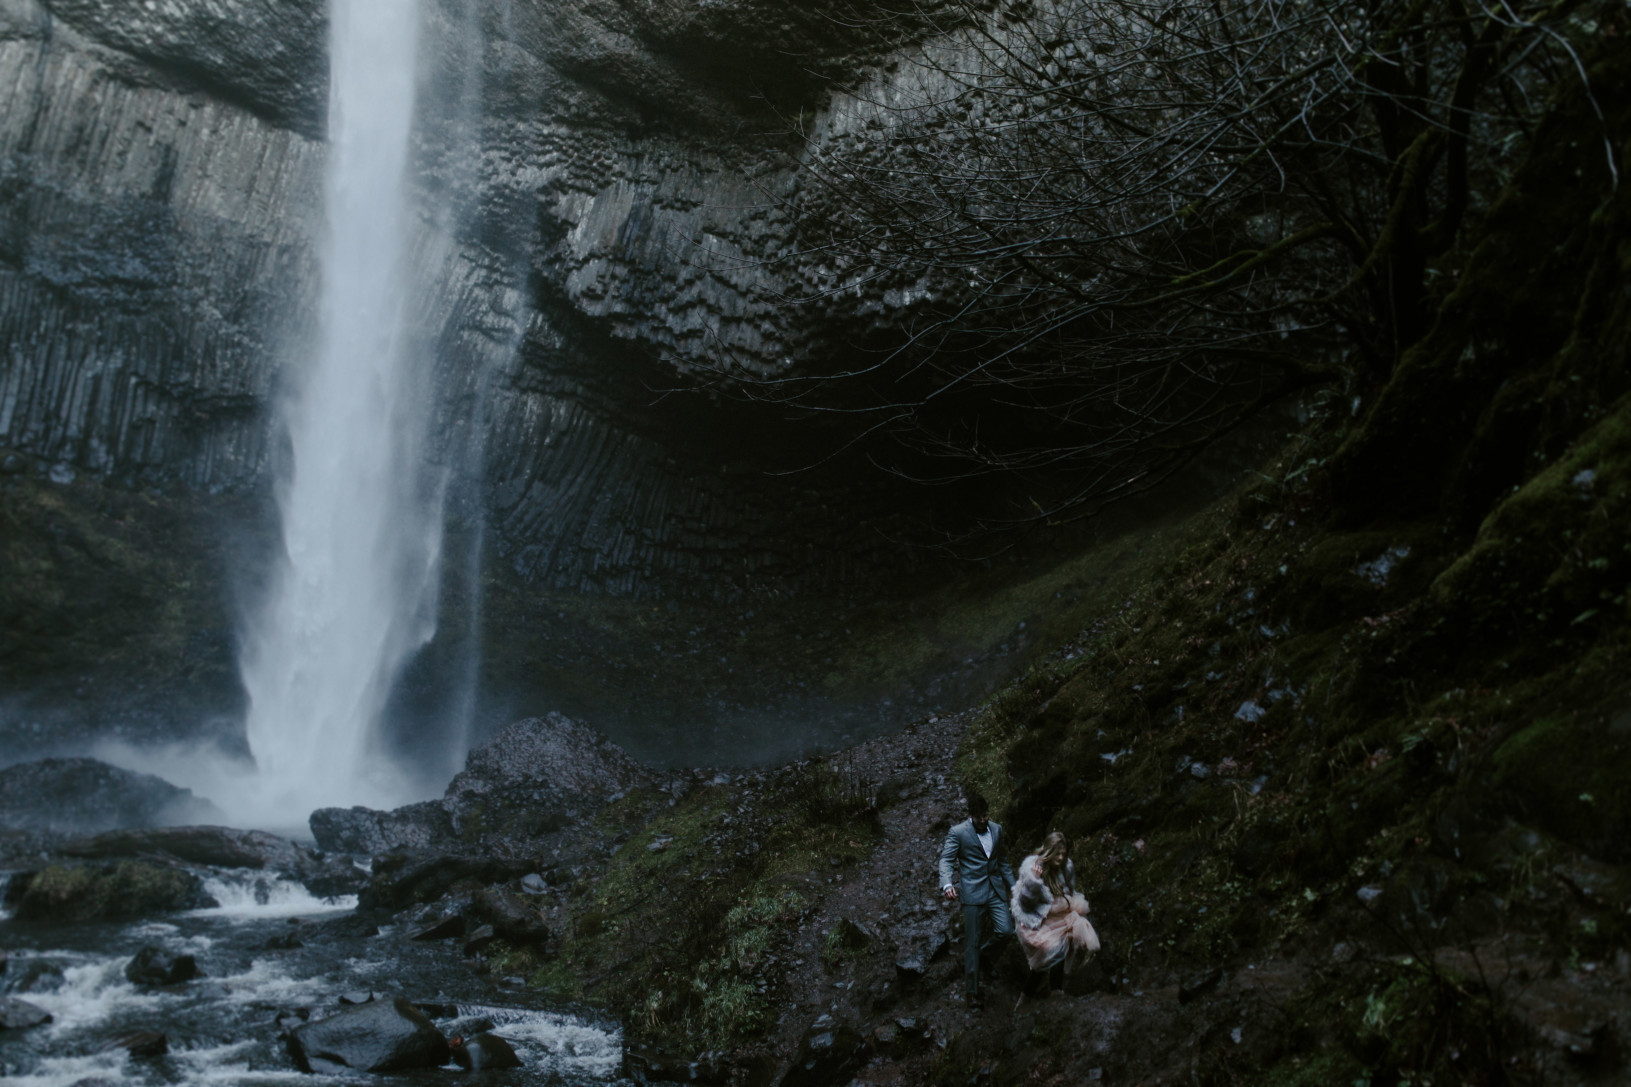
601,191
147,248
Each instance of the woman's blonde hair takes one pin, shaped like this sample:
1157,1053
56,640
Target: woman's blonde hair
1051,860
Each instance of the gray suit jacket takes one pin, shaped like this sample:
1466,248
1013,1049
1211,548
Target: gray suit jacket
963,864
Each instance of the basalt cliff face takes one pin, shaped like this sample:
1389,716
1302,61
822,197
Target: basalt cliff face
601,190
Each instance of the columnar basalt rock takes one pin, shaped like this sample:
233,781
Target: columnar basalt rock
149,240
604,190
609,183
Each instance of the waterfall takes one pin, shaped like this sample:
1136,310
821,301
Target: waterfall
354,593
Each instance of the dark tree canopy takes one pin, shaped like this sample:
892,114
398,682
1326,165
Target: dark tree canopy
1118,227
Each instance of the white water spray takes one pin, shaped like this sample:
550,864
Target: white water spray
355,593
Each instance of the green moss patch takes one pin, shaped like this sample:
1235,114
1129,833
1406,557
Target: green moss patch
1571,776
64,895
679,929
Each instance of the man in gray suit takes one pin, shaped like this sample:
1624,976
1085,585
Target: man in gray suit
974,872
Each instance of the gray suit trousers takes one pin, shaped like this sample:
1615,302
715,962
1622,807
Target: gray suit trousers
981,925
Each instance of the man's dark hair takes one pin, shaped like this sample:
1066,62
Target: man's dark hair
977,807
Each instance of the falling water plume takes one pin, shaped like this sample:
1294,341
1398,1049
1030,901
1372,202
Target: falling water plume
354,594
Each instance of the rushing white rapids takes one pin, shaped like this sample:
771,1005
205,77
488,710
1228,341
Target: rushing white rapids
355,591
222,1028
247,894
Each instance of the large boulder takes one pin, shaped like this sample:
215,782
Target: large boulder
329,876
20,1014
551,752
423,826
484,1051
401,880
141,1043
109,892
226,847
84,796
33,976
511,916
380,1036
156,966
534,777
217,847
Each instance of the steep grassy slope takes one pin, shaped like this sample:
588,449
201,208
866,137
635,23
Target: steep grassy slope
1387,691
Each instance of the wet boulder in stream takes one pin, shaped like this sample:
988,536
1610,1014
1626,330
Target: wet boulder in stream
380,1036
226,847
464,1026
156,966
484,1051
20,1014
480,939
216,847
330,876
62,894
444,928
142,1043
34,976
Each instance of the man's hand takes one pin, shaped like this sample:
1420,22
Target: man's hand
951,894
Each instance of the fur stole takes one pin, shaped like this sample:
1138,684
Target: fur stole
1031,898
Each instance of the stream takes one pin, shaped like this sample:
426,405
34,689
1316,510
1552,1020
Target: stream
224,1029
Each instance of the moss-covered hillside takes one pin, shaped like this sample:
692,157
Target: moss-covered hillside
1387,691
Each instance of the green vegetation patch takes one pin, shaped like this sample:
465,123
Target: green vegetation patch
65,895
1279,716
683,929
1569,776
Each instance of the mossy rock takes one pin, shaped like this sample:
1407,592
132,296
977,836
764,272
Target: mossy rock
1351,574
66,895
1568,776
1554,553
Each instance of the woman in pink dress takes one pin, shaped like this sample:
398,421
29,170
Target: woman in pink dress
1050,918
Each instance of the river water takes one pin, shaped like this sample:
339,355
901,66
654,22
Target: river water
223,1029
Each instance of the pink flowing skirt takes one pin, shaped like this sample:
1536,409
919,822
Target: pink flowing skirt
1065,936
